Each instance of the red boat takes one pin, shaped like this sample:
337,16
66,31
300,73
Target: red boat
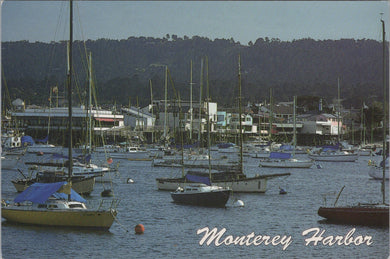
366,214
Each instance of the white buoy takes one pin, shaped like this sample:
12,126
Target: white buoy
238,203
129,180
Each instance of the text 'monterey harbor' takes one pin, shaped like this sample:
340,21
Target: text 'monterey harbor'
314,237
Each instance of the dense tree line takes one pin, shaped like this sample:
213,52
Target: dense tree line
122,69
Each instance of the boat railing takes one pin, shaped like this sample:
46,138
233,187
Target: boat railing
104,204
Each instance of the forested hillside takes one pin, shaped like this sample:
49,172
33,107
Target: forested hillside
122,69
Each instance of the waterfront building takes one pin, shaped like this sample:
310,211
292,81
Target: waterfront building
51,119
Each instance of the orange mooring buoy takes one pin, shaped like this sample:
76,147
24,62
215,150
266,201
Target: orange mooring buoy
139,229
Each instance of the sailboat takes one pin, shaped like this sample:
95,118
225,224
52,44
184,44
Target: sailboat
286,160
42,145
56,204
334,153
201,194
376,171
236,180
204,193
365,214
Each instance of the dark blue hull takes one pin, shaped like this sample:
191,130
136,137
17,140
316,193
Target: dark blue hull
209,199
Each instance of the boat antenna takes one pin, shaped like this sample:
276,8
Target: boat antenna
70,93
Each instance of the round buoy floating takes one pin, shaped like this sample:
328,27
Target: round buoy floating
107,193
239,203
282,191
109,160
139,229
40,153
129,180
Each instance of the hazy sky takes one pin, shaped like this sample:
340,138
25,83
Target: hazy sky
243,21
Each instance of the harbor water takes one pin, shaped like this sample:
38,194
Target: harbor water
173,230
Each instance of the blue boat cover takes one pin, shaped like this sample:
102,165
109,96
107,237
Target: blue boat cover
186,146
331,147
27,140
225,145
198,179
40,193
279,155
287,147
42,140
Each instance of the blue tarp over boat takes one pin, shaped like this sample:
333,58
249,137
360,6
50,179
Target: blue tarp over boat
40,193
46,139
186,146
198,179
279,155
331,147
287,147
225,145
27,141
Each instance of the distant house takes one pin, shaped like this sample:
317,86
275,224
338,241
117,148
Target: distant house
35,117
321,124
138,118
18,105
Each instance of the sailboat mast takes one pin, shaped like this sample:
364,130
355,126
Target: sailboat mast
48,124
70,92
208,114
384,151
151,101
338,110
200,104
165,104
240,112
295,126
191,103
270,114
90,105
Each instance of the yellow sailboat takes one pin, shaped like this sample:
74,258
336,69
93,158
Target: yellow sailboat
47,204
56,204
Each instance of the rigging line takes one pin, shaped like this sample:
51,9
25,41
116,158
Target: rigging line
53,48
173,86
117,221
6,87
82,35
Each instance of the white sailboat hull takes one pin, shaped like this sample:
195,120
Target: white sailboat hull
251,185
9,162
288,163
334,157
376,172
46,149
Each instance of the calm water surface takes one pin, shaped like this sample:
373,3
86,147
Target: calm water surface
171,229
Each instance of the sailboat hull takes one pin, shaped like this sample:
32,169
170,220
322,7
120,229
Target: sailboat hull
358,215
290,163
61,218
209,199
334,157
376,172
253,184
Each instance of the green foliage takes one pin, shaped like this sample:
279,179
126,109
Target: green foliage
122,69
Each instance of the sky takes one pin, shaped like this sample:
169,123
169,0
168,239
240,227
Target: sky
244,21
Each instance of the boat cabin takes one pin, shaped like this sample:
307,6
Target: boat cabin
56,204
